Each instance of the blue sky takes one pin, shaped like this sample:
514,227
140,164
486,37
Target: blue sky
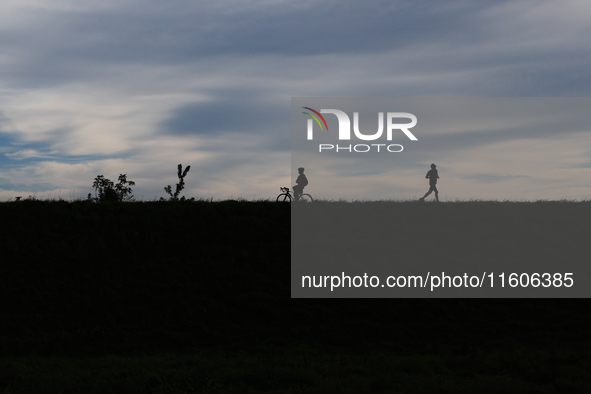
137,87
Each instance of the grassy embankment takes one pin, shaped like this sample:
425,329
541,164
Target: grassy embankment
195,297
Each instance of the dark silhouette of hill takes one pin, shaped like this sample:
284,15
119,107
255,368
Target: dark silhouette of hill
210,281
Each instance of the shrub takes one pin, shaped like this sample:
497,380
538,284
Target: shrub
179,186
106,190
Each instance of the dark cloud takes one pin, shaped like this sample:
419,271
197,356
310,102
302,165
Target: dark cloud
68,43
233,111
215,117
188,33
473,51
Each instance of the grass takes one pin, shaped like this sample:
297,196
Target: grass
194,297
297,370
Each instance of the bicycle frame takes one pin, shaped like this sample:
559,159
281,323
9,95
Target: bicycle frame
287,194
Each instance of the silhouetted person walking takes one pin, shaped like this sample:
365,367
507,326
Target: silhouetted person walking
301,182
432,175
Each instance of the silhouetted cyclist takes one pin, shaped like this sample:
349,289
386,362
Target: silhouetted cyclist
432,175
301,182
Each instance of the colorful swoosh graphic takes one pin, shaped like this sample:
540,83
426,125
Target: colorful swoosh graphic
315,118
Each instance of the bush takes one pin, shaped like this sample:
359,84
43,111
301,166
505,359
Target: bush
106,190
179,186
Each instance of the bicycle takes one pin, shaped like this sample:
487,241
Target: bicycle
287,197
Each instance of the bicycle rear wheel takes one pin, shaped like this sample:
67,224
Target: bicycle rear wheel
306,198
284,197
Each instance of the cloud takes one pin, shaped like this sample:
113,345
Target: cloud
139,86
145,31
239,111
65,43
28,154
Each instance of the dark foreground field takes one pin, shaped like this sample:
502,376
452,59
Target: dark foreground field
195,297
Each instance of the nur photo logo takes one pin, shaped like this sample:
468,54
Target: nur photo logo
344,130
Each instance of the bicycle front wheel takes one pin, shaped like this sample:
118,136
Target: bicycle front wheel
306,198
284,197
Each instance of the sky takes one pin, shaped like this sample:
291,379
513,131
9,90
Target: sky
500,148
137,87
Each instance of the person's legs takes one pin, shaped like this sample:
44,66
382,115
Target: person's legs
431,189
436,193
297,192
